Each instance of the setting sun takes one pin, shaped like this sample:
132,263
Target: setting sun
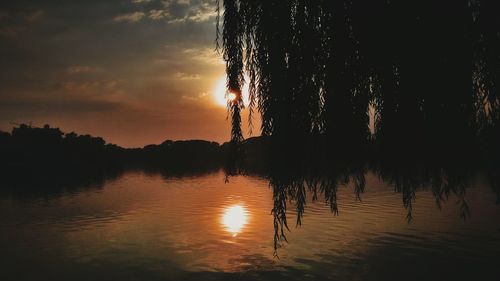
221,95
234,219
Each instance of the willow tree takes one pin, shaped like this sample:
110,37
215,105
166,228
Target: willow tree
418,71
413,78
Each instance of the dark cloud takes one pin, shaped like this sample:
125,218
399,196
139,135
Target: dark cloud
35,108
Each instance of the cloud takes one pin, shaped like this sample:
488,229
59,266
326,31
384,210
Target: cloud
205,55
130,17
17,108
204,12
3,15
186,76
172,11
23,16
197,98
92,88
157,14
13,23
182,11
11,30
78,69
34,16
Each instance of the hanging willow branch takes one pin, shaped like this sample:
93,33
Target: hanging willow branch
232,49
423,68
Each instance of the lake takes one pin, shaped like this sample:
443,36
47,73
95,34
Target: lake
145,226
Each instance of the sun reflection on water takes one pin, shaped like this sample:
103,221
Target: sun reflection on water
234,218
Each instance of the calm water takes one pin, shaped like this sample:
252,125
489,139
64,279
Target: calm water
147,227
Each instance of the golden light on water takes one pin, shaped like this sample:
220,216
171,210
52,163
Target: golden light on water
235,217
222,96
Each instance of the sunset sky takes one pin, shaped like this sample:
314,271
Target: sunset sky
134,72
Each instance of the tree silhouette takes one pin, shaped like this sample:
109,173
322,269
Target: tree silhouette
406,89
429,71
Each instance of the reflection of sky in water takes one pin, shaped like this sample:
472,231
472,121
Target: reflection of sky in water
146,225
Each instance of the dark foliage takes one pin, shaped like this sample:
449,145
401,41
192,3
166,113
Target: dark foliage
295,180
407,89
400,73
48,153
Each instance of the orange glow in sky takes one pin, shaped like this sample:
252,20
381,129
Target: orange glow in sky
221,96
172,89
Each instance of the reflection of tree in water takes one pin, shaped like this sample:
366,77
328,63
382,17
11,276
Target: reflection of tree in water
45,162
295,172
290,191
21,186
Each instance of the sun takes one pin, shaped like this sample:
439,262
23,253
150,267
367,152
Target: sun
221,95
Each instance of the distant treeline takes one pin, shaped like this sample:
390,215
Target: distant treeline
34,150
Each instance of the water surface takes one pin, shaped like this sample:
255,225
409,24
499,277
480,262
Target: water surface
142,226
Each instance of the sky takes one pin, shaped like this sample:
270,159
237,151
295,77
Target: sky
134,72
